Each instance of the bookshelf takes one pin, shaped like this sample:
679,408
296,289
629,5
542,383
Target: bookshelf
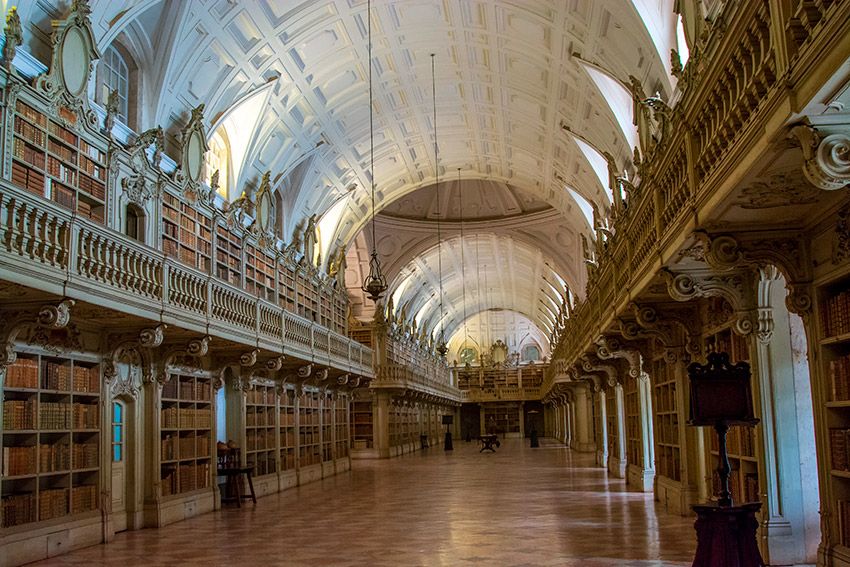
328,405
260,273
634,444
50,439
361,424
501,418
51,160
308,430
286,287
261,429
307,296
833,317
185,434
341,426
667,445
228,255
286,412
740,440
186,233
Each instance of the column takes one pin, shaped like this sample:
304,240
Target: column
647,479
617,460
381,424
583,427
602,430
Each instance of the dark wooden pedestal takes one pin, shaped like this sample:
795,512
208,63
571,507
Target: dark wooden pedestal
726,536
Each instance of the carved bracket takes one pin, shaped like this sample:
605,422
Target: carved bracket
49,316
609,348
827,159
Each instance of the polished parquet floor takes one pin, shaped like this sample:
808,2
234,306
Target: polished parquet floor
518,506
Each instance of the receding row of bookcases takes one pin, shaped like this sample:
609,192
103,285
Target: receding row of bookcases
52,160
192,237
634,438
284,431
502,418
833,344
50,439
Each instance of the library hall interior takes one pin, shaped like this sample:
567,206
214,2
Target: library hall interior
425,283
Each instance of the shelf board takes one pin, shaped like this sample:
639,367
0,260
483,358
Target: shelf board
20,477
836,339
838,404
27,390
20,431
841,474
54,473
87,470
90,430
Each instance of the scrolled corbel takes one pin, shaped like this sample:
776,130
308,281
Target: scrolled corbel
826,159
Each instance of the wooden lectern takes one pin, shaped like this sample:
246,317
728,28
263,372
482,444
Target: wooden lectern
721,396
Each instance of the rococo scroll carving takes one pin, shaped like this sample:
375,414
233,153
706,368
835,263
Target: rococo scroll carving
827,159
48,317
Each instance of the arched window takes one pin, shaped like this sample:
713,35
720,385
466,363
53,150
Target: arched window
218,159
468,355
530,352
113,74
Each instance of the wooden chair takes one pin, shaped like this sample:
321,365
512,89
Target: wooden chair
230,467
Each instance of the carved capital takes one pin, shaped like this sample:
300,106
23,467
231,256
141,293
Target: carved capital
826,159
738,287
342,380
321,375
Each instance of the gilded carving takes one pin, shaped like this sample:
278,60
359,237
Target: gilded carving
14,37
779,190
826,159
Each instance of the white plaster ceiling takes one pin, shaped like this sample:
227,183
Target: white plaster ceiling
511,79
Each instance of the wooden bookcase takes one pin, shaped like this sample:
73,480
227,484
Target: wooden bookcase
50,439
341,426
327,429
51,160
260,273
307,296
740,440
185,434
362,435
286,287
288,439
308,429
833,316
634,444
261,429
503,417
665,401
186,233
228,255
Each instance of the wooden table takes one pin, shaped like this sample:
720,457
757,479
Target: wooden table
488,442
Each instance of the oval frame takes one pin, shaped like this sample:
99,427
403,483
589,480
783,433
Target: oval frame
76,61
195,156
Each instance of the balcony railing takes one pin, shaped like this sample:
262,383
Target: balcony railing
733,89
46,247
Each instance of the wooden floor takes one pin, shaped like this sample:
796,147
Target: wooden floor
518,506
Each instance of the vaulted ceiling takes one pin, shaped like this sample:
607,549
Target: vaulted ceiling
514,92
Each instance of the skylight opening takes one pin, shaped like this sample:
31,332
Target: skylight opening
598,164
619,100
586,209
657,17
327,225
239,127
681,41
